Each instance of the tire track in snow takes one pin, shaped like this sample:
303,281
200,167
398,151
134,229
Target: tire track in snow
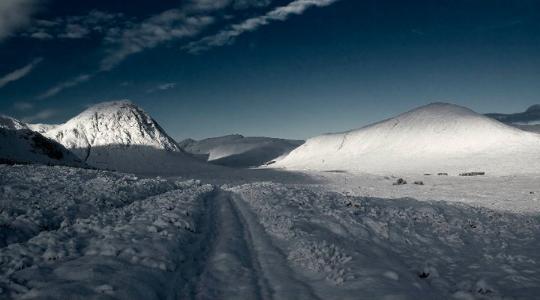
237,260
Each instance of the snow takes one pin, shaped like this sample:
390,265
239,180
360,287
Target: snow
185,229
70,232
434,138
10,123
41,128
239,151
118,135
95,233
18,144
111,123
513,193
343,246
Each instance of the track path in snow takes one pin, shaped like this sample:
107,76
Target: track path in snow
238,259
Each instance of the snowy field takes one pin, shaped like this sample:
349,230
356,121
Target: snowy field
511,193
70,233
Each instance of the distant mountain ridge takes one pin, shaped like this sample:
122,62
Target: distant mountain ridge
239,151
19,144
528,120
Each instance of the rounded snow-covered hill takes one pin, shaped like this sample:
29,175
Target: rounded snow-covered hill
19,144
438,137
239,151
119,135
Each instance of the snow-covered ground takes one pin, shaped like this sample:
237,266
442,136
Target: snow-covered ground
77,233
73,233
345,247
205,231
511,193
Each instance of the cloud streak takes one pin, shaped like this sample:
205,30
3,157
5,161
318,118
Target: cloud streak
163,87
77,27
19,73
65,85
22,106
169,25
40,116
126,38
280,13
14,15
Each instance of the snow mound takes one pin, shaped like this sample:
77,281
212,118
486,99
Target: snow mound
121,136
239,151
18,144
438,137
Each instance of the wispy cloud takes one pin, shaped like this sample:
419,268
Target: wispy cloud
124,37
19,73
14,15
22,106
169,25
162,87
280,13
77,27
64,85
40,116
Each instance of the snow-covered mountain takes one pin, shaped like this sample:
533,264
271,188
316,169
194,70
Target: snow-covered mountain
19,144
41,128
438,137
528,120
239,151
119,135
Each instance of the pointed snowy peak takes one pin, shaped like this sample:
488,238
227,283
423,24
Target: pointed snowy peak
116,123
120,136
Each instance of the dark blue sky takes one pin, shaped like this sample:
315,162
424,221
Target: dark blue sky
294,69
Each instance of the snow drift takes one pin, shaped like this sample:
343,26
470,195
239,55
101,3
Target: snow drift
239,151
19,144
438,137
119,135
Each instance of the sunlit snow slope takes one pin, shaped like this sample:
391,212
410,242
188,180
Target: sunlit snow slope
438,137
118,135
19,144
